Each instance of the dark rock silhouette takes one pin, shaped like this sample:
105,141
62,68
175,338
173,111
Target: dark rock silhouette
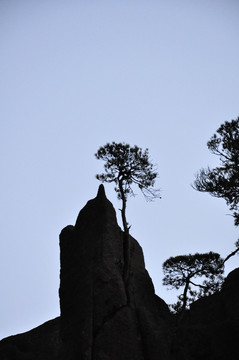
210,330
98,322
41,343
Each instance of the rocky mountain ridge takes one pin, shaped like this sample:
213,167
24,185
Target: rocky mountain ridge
98,323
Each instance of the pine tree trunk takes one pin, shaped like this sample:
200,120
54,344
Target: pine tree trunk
185,295
126,238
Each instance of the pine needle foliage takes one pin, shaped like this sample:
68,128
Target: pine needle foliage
223,181
128,165
181,271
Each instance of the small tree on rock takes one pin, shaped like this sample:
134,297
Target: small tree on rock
180,271
127,166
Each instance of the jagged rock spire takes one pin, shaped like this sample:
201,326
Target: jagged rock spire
94,309
96,321
101,192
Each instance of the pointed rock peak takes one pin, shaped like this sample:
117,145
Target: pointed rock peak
98,208
101,192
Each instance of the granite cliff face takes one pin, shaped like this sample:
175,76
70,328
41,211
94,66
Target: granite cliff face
210,330
98,322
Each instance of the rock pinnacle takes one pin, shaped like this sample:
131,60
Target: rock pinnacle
101,192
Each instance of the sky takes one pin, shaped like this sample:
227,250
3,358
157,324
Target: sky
77,74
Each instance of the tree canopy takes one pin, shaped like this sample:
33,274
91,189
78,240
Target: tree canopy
223,181
127,166
180,271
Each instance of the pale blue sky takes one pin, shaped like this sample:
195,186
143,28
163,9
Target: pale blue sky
78,74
